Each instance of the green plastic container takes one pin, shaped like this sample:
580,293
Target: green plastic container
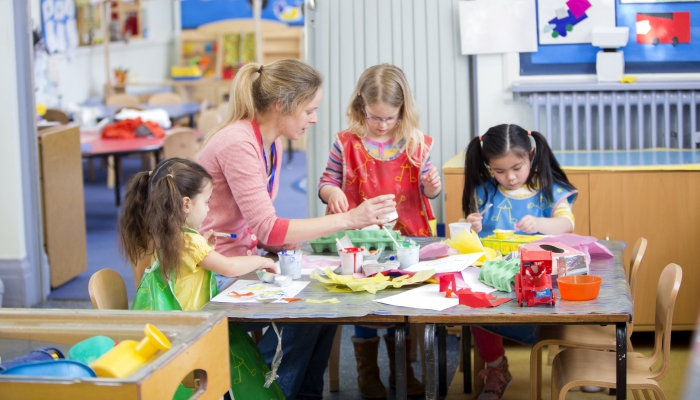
368,239
90,349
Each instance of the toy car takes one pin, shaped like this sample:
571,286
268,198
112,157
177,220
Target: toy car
659,28
533,284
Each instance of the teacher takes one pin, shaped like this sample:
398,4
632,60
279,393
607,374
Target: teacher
244,158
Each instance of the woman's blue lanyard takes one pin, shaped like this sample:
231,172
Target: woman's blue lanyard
271,178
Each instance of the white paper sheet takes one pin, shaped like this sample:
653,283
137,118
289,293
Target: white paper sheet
427,297
471,278
498,26
259,289
453,263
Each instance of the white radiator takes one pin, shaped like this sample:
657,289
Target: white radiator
573,118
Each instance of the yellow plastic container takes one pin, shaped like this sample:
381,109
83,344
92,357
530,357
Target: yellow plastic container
508,244
191,71
129,355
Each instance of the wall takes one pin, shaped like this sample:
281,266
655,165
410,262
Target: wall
148,59
419,36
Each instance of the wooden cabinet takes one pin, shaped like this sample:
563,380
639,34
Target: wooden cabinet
63,203
661,206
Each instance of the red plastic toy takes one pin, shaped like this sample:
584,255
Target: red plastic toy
533,284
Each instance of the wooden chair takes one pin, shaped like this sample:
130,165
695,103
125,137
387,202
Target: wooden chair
56,115
209,120
122,99
181,142
594,337
579,367
107,290
159,99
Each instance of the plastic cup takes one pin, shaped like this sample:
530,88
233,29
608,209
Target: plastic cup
351,260
457,227
290,263
408,256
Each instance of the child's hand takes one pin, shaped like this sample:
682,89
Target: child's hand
268,265
527,224
475,219
210,238
337,202
431,182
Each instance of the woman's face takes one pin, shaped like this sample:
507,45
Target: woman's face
293,126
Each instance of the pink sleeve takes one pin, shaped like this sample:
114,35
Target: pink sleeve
244,172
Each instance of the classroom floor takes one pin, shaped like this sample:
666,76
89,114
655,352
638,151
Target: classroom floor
103,252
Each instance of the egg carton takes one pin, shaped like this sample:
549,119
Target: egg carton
367,239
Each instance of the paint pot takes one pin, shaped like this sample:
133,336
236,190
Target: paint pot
408,255
290,263
351,260
392,217
372,269
457,227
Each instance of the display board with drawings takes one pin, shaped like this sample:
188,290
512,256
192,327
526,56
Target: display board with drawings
664,36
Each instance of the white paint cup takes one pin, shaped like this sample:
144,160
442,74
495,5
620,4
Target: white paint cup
408,256
351,260
290,263
457,227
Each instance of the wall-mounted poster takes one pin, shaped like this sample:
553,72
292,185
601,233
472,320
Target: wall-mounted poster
571,21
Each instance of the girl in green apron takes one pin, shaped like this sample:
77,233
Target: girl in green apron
162,211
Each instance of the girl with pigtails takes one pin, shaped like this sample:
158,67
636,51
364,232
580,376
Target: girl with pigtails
512,181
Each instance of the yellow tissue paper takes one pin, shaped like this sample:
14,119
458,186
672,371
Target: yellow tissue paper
333,301
371,285
467,242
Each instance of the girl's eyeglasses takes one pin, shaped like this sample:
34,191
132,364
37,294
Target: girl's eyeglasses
377,120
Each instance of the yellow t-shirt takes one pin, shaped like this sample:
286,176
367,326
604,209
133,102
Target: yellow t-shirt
191,287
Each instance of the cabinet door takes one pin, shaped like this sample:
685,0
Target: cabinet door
582,204
663,208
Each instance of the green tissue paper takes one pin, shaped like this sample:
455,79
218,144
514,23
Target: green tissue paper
500,274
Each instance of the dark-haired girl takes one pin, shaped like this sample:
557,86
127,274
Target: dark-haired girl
512,177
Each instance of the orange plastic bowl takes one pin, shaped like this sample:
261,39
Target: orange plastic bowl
579,287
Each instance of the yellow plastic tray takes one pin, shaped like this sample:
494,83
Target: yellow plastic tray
509,245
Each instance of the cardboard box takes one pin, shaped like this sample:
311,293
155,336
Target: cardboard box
565,260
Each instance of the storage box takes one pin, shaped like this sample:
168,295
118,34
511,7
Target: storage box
199,342
506,246
565,260
368,239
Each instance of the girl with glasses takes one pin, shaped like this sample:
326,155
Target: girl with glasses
383,151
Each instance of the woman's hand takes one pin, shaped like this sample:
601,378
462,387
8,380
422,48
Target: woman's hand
368,212
337,201
475,219
431,182
528,224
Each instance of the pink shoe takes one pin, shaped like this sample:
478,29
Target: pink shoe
497,381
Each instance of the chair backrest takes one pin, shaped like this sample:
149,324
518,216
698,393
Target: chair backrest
107,290
222,109
635,261
159,99
56,115
181,142
122,99
209,120
666,293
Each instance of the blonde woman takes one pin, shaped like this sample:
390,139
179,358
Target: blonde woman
382,152
243,156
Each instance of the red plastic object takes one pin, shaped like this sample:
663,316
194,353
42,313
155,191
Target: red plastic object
479,300
670,28
579,287
533,284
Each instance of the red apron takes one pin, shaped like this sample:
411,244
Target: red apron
366,177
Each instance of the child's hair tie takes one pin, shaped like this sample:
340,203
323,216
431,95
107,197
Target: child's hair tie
533,144
481,141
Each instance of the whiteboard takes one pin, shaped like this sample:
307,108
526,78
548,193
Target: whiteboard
498,26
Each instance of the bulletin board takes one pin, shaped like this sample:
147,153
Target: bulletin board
199,12
680,17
